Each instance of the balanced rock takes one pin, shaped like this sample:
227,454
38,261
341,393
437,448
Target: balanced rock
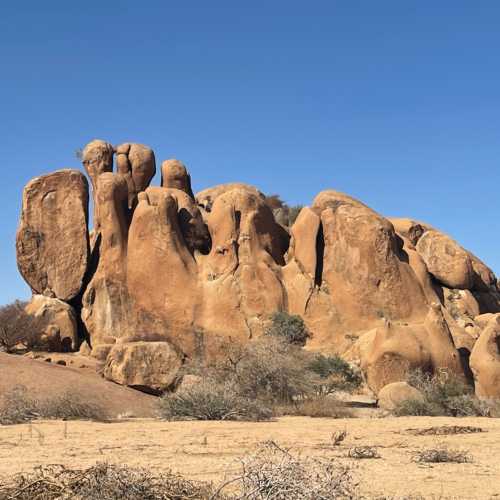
52,240
174,175
148,366
137,164
446,260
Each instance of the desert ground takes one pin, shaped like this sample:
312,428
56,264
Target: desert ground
210,450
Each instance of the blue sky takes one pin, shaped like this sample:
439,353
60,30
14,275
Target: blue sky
396,103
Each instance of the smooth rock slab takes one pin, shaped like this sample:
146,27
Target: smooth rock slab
52,239
147,366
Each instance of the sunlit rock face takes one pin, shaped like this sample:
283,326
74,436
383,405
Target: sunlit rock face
166,275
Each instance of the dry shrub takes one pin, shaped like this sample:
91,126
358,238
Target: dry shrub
274,373
444,395
443,454
211,400
337,438
445,430
273,473
363,452
18,329
318,407
18,407
269,369
104,482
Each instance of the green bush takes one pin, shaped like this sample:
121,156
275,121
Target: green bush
211,400
336,373
288,327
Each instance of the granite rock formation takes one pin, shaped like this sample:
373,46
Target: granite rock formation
166,275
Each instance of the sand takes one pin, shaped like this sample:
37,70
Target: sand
210,450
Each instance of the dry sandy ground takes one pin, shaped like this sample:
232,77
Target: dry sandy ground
209,450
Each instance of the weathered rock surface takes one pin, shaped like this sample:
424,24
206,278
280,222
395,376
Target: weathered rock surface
391,395
174,175
447,261
147,366
395,349
137,164
62,333
485,361
52,240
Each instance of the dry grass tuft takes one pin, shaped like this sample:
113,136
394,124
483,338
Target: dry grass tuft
363,452
211,401
318,407
445,430
443,454
18,407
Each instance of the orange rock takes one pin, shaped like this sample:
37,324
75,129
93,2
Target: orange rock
485,361
52,239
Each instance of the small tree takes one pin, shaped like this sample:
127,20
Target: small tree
288,327
18,329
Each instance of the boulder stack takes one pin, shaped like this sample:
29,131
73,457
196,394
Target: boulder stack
166,275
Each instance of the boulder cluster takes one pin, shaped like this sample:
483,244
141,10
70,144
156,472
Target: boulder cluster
165,276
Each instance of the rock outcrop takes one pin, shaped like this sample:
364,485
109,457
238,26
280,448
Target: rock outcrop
167,276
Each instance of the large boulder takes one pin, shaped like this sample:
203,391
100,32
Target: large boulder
61,328
52,240
354,271
397,348
137,164
446,260
97,158
485,361
174,175
392,395
147,366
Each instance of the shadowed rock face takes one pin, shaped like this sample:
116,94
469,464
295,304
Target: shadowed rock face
173,276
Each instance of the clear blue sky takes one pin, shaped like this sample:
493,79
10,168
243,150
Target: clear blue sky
394,102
